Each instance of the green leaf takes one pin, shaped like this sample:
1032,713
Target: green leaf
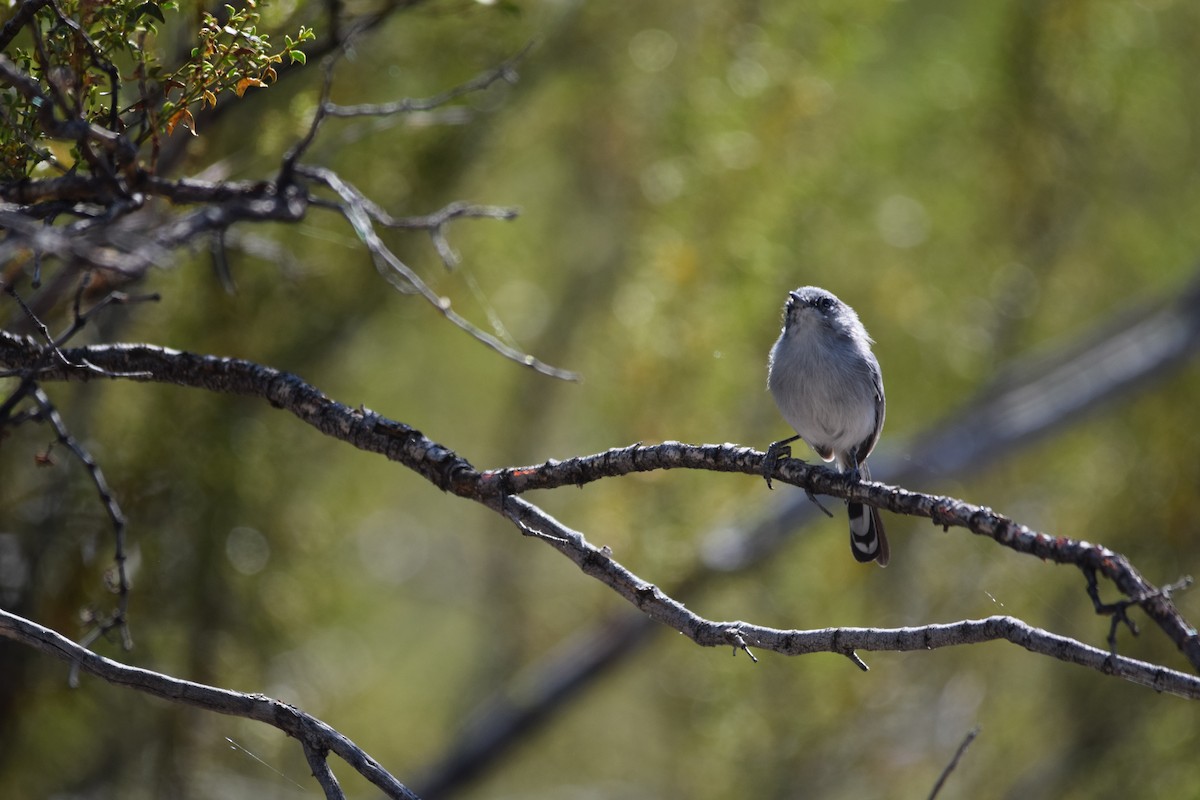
147,10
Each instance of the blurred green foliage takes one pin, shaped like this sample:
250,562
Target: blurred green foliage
978,180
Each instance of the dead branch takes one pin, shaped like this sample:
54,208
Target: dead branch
315,736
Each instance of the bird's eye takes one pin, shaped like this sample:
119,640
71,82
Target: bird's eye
825,303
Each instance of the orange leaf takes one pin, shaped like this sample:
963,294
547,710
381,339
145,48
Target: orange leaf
184,116
246,83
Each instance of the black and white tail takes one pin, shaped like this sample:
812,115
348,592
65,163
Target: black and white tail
868,542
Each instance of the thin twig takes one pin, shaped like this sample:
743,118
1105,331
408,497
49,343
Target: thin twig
80,319
962,748
53,350
505,71
292,157
405,279
437,222
120,620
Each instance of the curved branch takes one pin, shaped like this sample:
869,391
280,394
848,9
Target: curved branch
497,489
650,600
315,735
942,510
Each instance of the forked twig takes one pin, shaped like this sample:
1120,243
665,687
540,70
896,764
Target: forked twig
404,278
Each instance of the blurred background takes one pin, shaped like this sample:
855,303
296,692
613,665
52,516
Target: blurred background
985,183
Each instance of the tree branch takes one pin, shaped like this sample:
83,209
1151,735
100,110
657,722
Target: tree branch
505,71
18,20
497,489
356,209
316,736
119,579
944,511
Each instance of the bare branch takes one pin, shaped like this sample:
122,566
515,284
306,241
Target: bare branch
317,761
317,737
651,601
227,204
497,488
437,222
107,249
120,581
80,320
405,279
505,71
293,154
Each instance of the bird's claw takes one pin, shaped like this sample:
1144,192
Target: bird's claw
775,453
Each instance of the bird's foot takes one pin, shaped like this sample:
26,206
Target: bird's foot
775,453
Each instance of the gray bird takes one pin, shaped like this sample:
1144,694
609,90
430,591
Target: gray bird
827,384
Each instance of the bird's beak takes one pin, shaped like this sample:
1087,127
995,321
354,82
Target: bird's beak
795,296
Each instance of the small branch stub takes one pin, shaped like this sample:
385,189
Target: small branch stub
739,643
